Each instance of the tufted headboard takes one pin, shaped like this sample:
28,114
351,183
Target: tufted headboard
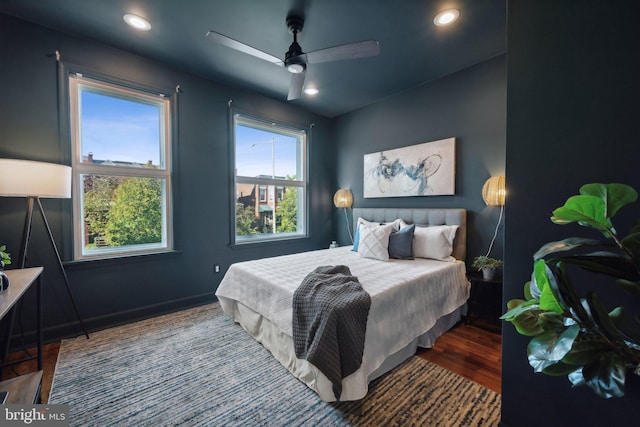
420,216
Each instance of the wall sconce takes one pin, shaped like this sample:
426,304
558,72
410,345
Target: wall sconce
493,191
493,194
344,199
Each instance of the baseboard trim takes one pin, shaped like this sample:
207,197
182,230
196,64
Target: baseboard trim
94,324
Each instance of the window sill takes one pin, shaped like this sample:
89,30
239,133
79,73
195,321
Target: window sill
114,260
268,243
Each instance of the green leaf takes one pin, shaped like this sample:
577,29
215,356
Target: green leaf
524,316
511,304
551,320
527,291
624,325
565,245
526,323
588,211
566,290
606,376
518,306
584,352
613,264
550,347
601,319
543,276
631,244
628,286
613,195
558,369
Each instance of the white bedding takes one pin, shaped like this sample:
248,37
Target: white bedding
408,297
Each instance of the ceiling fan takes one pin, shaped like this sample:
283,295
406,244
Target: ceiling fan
295,60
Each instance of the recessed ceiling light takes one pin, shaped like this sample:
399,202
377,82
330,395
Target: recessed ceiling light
311,91
446,17
137,22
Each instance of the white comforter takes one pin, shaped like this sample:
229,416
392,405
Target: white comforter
407,296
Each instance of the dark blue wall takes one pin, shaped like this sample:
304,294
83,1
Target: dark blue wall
469,105
110,292
572,118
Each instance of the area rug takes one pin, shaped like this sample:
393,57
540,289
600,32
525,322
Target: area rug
199,368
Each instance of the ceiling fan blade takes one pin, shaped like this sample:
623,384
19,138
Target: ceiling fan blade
295,88
241,47
346,51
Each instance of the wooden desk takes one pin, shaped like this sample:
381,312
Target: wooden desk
25,388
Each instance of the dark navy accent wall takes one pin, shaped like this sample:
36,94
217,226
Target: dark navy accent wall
572,119
115,291
469,105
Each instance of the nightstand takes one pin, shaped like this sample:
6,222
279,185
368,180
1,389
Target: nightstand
487,293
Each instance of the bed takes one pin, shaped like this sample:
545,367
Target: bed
413,302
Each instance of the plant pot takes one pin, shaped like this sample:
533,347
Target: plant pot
491,273
4,281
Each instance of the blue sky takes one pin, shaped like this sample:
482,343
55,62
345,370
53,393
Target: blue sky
253,160
118,129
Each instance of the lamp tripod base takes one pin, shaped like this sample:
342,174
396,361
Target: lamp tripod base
31,200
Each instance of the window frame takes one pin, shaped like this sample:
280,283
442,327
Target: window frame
136,93
268,125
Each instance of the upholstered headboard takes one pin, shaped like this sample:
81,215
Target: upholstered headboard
422,217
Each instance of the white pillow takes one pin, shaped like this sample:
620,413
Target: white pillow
395,223
356,239
374,241
434,242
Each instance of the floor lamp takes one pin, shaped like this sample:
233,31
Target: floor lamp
344,199
36,180
493,194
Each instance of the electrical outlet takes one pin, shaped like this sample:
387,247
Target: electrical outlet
216,269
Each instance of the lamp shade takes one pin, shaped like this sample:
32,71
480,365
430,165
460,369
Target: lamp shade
24,178
493,191
343,198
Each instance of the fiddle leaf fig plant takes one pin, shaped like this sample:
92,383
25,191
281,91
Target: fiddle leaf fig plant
574,334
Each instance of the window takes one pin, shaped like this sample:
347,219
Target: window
121,140
270,181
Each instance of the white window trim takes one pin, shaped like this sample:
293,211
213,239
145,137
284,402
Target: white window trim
80,168
303,216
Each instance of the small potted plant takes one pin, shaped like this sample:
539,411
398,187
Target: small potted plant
5,259
490,267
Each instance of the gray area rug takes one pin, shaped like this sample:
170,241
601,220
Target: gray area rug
199,368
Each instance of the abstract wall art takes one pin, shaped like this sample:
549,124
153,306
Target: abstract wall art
426,169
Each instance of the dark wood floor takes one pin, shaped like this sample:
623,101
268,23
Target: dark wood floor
471,350
49,359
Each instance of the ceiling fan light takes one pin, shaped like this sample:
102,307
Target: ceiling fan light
295,68
311,91
446,17
137,22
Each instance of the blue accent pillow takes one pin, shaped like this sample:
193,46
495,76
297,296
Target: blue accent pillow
401,243
356,239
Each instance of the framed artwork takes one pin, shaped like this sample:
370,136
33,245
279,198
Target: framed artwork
426,169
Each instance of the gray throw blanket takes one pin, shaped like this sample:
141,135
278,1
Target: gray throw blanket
330,310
